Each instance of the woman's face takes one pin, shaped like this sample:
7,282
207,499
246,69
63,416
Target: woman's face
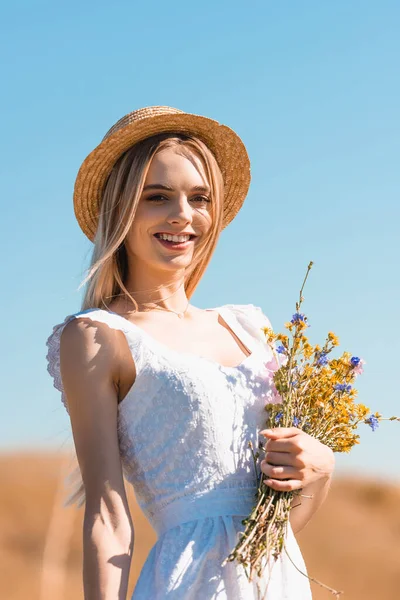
175,201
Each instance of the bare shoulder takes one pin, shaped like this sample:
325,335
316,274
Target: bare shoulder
86,342
89,358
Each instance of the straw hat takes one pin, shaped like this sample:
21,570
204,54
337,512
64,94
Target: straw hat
134,127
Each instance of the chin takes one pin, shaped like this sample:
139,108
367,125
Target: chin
174,265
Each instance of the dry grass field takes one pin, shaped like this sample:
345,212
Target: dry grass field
352,543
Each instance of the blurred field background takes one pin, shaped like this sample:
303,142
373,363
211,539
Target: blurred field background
351,544
313,89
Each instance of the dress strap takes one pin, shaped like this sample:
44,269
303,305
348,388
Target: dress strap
247,321
230,319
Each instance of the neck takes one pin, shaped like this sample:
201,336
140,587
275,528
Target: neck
166,291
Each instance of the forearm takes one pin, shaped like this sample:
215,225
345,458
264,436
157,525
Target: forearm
107,558
304,508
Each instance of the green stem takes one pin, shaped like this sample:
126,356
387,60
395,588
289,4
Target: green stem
335,592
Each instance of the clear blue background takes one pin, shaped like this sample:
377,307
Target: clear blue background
313,90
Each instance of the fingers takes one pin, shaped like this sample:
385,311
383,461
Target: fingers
280,432
283,445
279,471
284,458
284,486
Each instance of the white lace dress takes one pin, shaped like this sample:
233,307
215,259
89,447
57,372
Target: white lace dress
184,429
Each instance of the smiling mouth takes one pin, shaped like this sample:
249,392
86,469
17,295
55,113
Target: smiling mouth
174,241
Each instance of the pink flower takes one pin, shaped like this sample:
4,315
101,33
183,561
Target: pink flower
273,364
359,368
273,395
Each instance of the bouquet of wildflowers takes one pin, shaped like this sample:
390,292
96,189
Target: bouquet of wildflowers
315,393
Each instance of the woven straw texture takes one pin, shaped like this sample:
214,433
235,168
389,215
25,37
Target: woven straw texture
134,127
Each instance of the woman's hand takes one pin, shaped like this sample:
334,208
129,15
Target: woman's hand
294,455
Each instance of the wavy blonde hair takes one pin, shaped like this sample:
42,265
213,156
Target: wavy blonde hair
109,264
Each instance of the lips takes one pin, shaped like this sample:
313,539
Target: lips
171,245
161,233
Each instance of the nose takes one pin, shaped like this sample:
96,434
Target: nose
181,211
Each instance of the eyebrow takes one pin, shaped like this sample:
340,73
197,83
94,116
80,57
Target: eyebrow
159,186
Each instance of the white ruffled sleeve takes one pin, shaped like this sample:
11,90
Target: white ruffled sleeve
53,357
73,481
114,321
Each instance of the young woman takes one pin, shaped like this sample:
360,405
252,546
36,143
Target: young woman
162,392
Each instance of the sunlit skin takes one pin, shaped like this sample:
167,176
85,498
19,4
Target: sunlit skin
295,455
305,463
185,207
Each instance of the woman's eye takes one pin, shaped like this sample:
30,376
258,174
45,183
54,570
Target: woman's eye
202,199
196,199
156,198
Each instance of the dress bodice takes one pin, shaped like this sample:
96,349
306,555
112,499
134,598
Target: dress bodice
185,424
184,429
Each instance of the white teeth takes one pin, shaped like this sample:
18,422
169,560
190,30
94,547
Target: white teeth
174,238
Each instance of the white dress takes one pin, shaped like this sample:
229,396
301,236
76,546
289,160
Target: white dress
184,429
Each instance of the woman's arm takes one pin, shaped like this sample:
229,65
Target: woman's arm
293,461
89,368
304,508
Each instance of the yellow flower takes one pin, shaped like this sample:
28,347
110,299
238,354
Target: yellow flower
269,334
333,338
361,410
308,350
283,338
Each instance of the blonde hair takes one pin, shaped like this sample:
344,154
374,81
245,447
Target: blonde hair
122,192
109,264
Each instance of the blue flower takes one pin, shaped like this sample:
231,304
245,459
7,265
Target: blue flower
354,361
322,360
373,422
342,387
295,383
297,317
281,350
278,417
296,421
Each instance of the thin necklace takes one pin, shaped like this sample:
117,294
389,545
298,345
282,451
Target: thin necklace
178,314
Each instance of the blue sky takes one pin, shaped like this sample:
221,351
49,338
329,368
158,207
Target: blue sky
312,88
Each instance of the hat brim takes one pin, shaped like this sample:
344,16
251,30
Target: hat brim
225,144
